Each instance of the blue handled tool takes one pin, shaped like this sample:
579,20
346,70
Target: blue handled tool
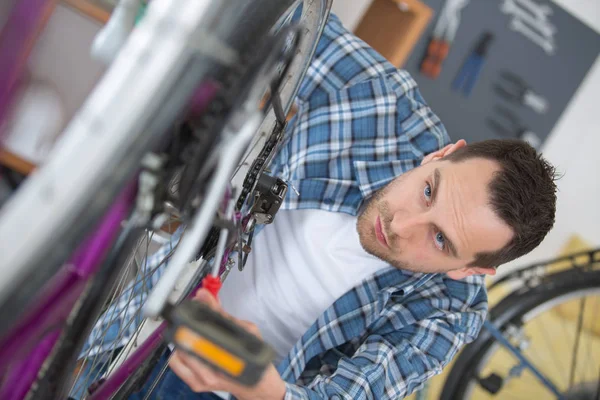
469,72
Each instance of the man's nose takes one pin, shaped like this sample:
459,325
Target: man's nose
406,225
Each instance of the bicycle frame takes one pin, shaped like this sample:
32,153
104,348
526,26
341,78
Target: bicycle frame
55,305
26,346
525,363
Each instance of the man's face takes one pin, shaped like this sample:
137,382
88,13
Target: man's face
435,218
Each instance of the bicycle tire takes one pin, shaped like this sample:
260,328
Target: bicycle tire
54,378
508,311
56,368
25,279
50,380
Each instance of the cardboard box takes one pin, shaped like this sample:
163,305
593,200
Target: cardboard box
393,27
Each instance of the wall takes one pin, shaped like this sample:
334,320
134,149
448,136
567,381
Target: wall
61,55
60,75
572,145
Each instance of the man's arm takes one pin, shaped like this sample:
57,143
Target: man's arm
421,335
389,366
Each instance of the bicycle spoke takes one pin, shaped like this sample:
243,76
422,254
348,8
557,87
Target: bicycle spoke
547,340
124,293
139,270
577,340
85,358
144,277
131,287
590,355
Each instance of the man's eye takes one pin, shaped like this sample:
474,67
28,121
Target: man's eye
427,191
440,241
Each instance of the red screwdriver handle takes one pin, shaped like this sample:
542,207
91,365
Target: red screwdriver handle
212,284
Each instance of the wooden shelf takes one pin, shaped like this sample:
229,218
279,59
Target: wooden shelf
89,9
393,27
15,162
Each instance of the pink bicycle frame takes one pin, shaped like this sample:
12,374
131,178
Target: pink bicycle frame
25,347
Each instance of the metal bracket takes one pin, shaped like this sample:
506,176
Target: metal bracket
270,193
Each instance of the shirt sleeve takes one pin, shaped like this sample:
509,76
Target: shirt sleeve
393,365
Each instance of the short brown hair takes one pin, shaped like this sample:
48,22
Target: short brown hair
522,194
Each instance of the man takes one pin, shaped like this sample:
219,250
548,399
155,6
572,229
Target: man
371,278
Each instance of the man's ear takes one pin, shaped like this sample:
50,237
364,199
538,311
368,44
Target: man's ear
449,150
441,153
462,273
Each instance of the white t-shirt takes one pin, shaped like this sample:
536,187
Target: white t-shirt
298,267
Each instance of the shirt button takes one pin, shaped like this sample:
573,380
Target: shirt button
328,201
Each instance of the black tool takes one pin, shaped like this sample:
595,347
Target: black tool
469,72
514,89
509,126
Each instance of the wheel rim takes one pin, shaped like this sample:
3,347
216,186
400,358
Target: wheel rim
114,342
549,334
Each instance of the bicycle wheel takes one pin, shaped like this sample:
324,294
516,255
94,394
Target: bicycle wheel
95,360
153,78
554,326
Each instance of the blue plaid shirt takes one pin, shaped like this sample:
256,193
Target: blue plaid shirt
360,123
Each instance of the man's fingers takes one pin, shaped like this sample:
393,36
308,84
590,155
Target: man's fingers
206,297
210,379
249,326
186,374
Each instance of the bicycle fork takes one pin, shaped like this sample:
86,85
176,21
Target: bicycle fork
524,362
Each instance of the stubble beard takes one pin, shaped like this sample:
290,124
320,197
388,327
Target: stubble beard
366,229
368,239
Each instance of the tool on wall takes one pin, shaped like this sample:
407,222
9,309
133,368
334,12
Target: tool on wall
471,68
443,35
531,20
539,10
514,89
509,125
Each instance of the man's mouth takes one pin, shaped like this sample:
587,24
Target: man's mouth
379,232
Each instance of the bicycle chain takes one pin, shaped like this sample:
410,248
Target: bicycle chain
203,132
222,104
258,165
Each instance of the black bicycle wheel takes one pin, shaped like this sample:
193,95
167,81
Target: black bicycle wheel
562,306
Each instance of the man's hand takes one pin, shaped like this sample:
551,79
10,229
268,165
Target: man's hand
201,378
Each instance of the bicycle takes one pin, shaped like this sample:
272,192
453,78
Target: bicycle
188,81
507,361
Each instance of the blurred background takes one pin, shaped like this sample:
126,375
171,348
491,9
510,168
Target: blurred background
535,77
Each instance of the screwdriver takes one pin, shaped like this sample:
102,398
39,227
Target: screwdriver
443,35
212,282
